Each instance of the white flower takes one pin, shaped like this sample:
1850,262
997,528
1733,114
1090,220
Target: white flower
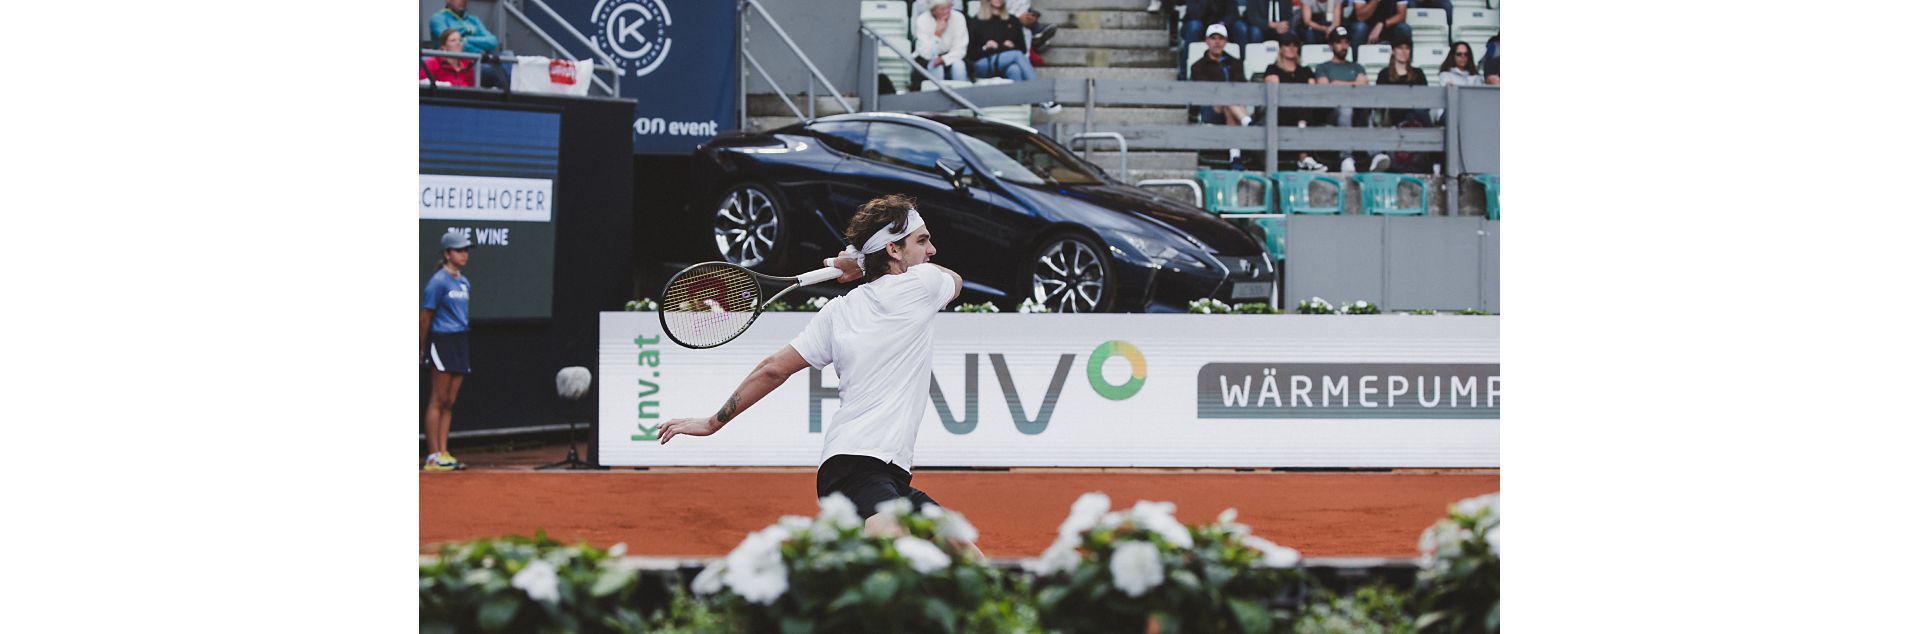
1111,520
1473,507
1272,555
754,570
708,581
1062,556
896,507
922,554
1233,528
618,550
1493,540
1441,541
1158,517
837,513
955,526
1136,568
796,524
1360,304
1086,512
539,580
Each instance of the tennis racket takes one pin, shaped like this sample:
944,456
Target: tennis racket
711,303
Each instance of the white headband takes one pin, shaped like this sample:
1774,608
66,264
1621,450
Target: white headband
880,240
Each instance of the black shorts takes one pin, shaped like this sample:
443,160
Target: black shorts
447,352
868,481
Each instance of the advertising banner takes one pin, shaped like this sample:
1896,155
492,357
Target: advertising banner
489,173
676,60
1259,391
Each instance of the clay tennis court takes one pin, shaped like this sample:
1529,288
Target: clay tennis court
706,512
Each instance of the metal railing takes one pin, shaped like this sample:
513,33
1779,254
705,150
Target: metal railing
506,59
746,7
1096,136
869,57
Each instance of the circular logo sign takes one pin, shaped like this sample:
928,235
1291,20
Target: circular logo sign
1098,359
633,33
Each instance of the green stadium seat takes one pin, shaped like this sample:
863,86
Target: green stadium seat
1380,194
1292,193
1221,189
1428,57
1492,184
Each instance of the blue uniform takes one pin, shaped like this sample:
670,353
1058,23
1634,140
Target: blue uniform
447,298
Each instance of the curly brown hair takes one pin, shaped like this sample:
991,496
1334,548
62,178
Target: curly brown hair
886,212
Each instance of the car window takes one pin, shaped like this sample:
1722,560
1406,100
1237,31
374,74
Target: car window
845,136
1024,158
909,147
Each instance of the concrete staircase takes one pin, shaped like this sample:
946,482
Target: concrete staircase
766,111
1113,39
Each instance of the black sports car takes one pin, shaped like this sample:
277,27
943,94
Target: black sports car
1014,213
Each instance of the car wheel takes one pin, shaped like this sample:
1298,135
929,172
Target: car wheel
748,227
1072,274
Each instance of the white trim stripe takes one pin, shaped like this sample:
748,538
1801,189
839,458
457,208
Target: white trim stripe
434,352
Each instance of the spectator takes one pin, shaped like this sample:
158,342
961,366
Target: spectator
1342,72
998,48
1492,71
1217,65
448,70
475,38
1491,51
472,31
1201,13
940,42
1376,21
1267,19
1456,70
1037,34
1315,19
1401,72
1287,70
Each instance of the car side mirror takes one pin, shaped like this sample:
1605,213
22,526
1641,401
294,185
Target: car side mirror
959,177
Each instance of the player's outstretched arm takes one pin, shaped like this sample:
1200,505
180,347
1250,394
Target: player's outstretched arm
771,372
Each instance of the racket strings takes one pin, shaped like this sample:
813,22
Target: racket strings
710,303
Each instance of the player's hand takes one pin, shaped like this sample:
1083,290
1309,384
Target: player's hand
688,426
849,269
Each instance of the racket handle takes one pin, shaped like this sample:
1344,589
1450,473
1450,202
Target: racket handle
817,276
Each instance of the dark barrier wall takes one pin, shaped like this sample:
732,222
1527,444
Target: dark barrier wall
515,361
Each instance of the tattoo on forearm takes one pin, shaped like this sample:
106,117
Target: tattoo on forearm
727,411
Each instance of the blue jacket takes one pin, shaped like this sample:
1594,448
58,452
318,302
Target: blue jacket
477,38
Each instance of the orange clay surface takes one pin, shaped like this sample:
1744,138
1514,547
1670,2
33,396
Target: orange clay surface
704,513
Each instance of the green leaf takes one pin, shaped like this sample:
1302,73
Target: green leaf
1051,596
881,586
1169,622
497,613
939,612
1186,579
850,598
971,584
1084,575
611,580
795,625
437,628
1252,616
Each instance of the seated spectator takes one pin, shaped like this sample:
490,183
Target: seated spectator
448,70
1267,19
1217,65
1492,71
1037,34
1456,70
1203,13
1287,70
940,42
1315,19
1400,72
1376,21
475,36
1342,72
998,48
1492,50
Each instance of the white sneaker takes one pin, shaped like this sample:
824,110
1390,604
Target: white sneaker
1153,6
1309,165
1380,163
1050,107
1346,165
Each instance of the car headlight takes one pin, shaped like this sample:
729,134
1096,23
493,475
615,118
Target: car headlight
1159,253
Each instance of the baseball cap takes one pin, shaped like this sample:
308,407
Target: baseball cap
455,239
1216,29
1339,33
1287,39
1396,38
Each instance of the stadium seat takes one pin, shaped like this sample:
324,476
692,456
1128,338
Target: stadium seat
1019,114
1293,189
1313,54
1222,189
1492,183
1474,26
1431,23
1428,57
1380,194
1374,57
1493,4
1259,56
888,18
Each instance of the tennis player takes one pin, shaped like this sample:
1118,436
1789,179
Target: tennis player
880,338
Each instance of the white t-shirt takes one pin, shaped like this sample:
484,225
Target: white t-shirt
880,339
